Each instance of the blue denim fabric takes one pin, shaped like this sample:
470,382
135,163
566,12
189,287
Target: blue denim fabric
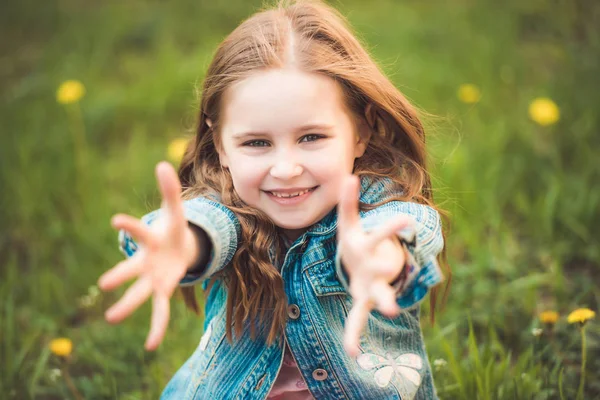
393,363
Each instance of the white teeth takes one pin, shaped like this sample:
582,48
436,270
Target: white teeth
290,194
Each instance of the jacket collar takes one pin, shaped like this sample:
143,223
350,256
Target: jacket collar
367,195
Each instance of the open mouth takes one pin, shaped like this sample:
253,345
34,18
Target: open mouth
291,199
292,195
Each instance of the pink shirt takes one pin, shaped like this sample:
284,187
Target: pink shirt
289,384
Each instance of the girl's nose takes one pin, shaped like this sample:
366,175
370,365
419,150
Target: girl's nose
286,169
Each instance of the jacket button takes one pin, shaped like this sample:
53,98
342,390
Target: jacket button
293,311
319,374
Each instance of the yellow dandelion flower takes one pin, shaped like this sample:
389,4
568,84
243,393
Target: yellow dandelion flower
70,92
177,148
549,317
581,315
61,346
468,93
544,111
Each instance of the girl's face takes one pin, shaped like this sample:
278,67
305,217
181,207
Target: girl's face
285,132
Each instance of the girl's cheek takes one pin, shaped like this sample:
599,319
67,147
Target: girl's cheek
330,163
249,173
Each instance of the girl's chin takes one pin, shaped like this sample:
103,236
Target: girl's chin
298,226
300,223
293,234
291,228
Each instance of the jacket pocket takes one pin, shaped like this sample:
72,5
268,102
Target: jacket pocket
323,279
202,362
189,378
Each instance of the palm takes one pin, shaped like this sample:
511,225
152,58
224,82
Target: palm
365,257
366,266
159,263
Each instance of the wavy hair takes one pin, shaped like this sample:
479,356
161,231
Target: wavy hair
315,38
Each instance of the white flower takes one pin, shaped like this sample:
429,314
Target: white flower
86,301
404,367
54,374
439,363
537,332
90,299
93,291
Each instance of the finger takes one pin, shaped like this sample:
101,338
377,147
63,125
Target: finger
359,284
160,321
120,273
135,295
399,222
135,227
385,298
170,189
348,217
357,319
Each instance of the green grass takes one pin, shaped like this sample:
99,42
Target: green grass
524,199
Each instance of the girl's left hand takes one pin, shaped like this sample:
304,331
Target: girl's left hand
372,260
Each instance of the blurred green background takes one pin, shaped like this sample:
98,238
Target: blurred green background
520,179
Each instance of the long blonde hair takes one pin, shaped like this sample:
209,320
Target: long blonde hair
320,41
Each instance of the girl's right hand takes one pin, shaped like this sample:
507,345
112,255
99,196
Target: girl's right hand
166,249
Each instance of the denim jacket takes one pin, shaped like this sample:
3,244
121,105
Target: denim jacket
393,362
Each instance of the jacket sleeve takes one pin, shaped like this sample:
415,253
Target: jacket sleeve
423,243
220,224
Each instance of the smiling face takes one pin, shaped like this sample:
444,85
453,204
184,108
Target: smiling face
283,132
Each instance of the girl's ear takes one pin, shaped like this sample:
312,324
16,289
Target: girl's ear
370,115
364,131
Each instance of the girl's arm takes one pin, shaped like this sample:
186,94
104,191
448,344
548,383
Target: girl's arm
204,246
368,246
161,248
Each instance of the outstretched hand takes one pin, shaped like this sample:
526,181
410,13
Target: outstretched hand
166,249
372,260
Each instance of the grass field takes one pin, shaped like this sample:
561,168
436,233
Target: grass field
519,178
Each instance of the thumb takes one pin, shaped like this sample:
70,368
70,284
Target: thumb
170,188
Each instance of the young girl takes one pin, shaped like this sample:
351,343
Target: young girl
295,119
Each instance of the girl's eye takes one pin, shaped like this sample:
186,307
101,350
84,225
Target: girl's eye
315,137
253,143
262,143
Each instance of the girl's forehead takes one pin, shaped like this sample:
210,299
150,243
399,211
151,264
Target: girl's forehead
282,99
